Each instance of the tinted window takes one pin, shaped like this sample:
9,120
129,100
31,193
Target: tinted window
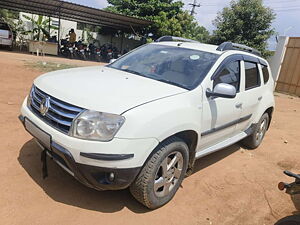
265,73
178,66
4,26
229,75
252,75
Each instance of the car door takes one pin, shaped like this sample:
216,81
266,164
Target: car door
220,115
251,91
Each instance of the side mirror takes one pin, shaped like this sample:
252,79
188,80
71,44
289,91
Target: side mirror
112,60
222,90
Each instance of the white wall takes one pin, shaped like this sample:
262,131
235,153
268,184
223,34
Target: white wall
276,60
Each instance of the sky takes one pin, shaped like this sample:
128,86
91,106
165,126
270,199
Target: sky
287,21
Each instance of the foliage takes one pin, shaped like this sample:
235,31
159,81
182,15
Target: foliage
8,14
168,17
147,9
87,31
15,24
246,22
87,35
40,26
180,25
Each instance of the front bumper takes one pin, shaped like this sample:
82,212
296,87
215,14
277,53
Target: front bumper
96,177
121,153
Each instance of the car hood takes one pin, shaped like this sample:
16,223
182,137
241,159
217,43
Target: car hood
104,89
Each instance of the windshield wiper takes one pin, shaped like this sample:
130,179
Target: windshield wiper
153,77
172,83
133,71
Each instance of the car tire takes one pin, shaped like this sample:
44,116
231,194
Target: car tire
289,220
259,131
162,174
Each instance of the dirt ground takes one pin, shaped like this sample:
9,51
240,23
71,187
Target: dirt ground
233,186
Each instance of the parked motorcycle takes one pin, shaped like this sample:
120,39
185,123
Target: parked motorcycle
81,50
104,53
71,51
109,52
94,53
64,50
116,53
291,189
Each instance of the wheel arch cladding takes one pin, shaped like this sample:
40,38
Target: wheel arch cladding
270,111
190,137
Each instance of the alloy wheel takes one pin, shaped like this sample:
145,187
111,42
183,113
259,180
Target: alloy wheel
168,174
261,130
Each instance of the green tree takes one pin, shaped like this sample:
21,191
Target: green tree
181,25
6,14
16,25
168,17
40,26
246,22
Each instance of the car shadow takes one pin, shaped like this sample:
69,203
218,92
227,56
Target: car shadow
214,157
63,188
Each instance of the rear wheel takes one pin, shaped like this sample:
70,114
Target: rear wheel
162,174
259,131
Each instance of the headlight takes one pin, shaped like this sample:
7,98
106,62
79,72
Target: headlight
93,125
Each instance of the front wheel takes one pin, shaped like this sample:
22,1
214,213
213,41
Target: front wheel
162,174
289,220
259,131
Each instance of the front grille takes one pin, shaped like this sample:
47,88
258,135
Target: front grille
59,115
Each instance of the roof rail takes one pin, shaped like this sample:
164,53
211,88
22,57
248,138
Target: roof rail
172,38
234,46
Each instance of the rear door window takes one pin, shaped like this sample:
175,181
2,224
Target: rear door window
252,76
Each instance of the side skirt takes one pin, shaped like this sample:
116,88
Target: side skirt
225,143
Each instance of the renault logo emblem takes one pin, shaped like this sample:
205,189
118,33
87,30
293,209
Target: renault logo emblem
44,106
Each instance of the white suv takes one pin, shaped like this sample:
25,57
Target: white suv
141,121
6,35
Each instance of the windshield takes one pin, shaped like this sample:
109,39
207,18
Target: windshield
174,65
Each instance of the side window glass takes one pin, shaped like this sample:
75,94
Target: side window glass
229,75
251,75
265,73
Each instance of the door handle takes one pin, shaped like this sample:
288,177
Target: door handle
239,105
259,98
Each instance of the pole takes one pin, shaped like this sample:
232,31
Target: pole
49,26
58,35
122,37
194,5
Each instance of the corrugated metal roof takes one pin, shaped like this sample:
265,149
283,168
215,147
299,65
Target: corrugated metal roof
75,12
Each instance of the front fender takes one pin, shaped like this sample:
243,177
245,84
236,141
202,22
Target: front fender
165,117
